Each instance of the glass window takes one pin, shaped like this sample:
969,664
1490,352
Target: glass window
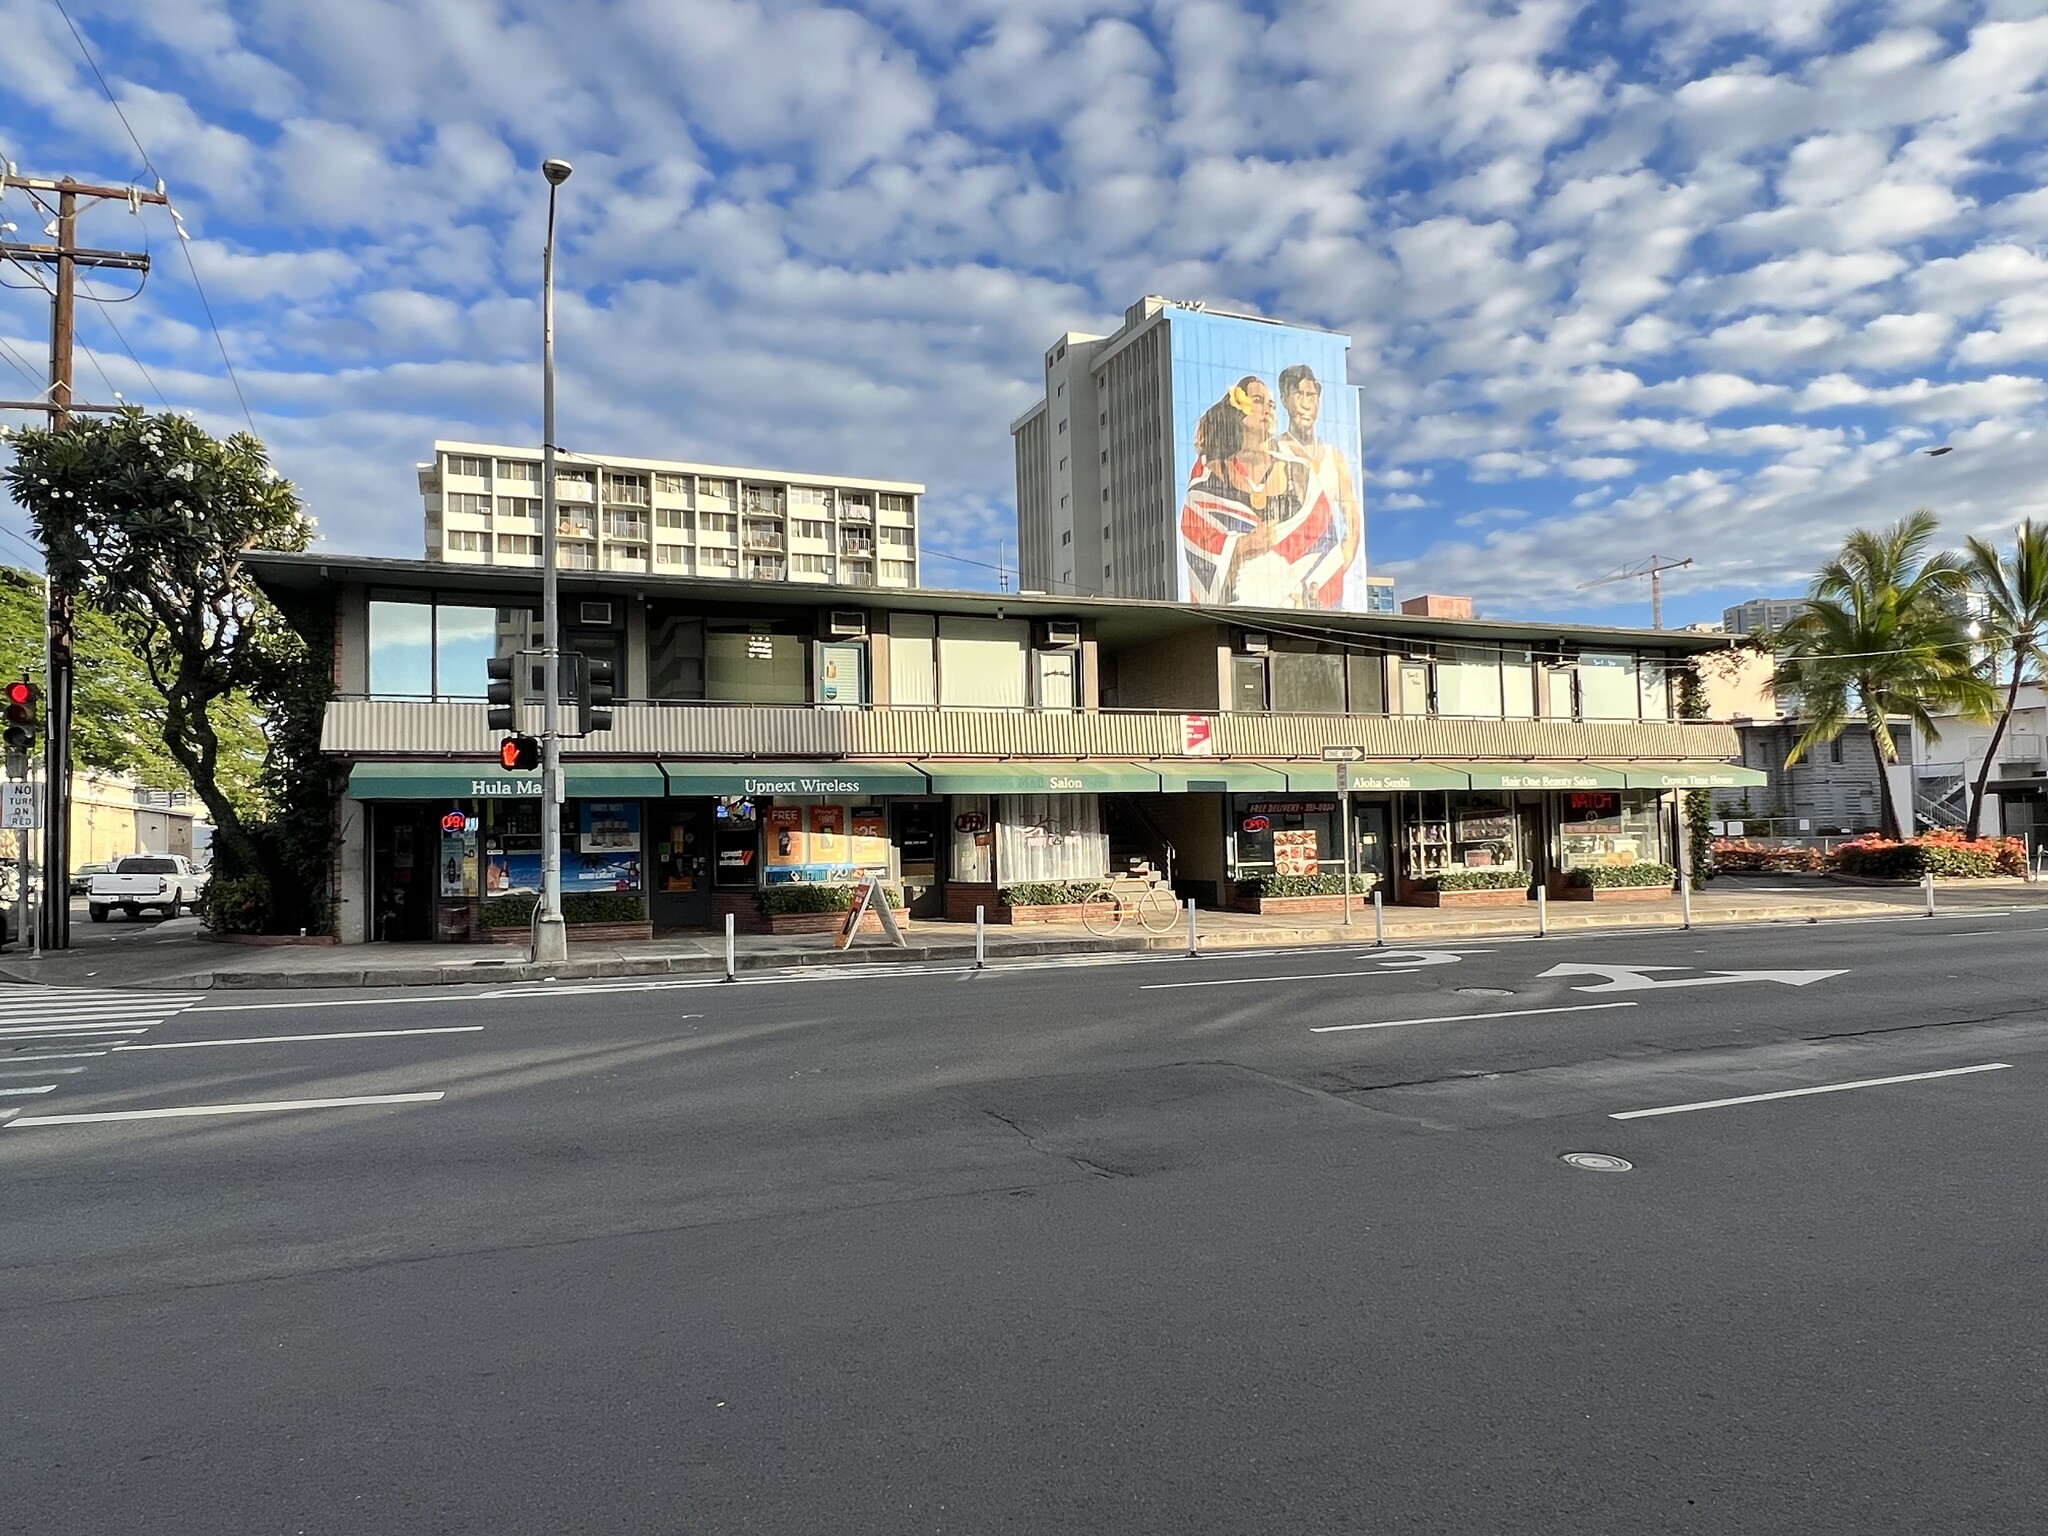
1052,683
464,640
1485,832
1306,684
1654,676
913,659
1368,676
1415,688
675,657
1248,684
973,840
1518,685
1559,693
981,662
1468,682
402,650
1607,686
1610,827
1051,837
751,664
1286,837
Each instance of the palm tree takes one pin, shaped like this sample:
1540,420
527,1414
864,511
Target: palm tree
2016,599
1882,639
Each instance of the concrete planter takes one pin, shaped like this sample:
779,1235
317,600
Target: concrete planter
1612,893
823,922
1417,896
1298,906
586,933
1068,912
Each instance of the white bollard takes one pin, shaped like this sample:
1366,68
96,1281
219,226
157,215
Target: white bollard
1194,942
980,938
1379,920
1684,901
731,957
1542,911
1927,890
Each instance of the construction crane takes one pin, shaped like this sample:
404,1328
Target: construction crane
1654,568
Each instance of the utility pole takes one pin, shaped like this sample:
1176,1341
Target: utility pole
550,934
67,257
1654,568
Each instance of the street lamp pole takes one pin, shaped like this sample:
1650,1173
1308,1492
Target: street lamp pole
550,934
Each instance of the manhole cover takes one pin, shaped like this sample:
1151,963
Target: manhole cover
1486,991
1598,1162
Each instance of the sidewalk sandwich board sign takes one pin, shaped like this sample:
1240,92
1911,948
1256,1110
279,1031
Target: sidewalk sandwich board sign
869,894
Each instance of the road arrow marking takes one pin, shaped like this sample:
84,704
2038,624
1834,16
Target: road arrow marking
1637,978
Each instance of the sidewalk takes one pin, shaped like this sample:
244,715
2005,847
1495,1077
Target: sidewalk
194,964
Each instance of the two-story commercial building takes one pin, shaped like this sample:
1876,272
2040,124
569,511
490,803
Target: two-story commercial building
959,744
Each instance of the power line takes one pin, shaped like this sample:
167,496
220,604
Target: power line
184,240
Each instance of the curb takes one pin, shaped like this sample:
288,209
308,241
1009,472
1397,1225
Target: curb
488,973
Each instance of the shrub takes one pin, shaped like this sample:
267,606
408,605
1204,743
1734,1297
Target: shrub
1734,857
1601,877
1047,893
1947,854
783,900
235,904
1475,880
1310,885
516,911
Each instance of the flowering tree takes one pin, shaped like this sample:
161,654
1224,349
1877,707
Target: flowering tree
146,518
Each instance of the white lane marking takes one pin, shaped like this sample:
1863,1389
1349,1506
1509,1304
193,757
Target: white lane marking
1246,981
15,1093
1800,1093
42,1071
225,1109
55,1056
75,1029
1467,1018
341,1034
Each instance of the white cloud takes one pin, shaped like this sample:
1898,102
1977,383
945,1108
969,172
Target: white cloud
1598,468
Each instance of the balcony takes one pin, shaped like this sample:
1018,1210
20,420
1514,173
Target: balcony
768,539
390,726
626,528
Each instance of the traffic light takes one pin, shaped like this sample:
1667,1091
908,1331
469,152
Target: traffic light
519,753
22,724
594,695
503,716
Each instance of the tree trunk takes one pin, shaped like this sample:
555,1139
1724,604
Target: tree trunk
2012,699
1888,810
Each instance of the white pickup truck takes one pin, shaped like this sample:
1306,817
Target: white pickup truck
166,881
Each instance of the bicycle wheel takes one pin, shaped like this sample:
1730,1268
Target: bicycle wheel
1103,913
1156,910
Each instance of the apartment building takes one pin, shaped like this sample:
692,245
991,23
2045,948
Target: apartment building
1195,455
670,518
958,744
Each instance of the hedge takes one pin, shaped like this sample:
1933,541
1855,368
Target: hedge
1745,858
1946,854
1475,880
1602,877
577,907
1309,885
1047,893
781,900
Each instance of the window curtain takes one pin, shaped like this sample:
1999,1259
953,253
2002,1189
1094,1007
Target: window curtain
1051,837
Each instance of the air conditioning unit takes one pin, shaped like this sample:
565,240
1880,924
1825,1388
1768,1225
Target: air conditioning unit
1060,634
1255,642
595,615
844,624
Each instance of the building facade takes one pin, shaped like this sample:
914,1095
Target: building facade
1761,613
669,518
961,744
1195,456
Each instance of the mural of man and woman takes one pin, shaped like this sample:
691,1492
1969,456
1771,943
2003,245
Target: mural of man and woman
1272,518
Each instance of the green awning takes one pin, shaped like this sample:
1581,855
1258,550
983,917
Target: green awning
1368,776
1692,776
487,781
1041,778
1550,776
794,779
1238,777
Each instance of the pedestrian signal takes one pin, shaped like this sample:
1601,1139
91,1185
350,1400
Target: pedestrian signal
520,753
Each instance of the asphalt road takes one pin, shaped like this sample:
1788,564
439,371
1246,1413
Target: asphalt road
1247,1243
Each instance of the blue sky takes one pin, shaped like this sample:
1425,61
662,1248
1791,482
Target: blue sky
1678,277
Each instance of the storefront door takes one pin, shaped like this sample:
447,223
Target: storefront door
914,828
1370,821
1535,838
404,849
680,891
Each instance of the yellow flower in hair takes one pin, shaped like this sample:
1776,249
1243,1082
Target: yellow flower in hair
1240,399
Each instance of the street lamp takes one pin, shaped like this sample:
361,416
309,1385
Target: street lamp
550,934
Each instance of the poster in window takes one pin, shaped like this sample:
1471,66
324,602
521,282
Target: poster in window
1294,851
785,835
1485,824
458,863
828,834
870,837
610,826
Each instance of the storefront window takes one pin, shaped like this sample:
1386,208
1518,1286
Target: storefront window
1484,833
754,664
431,649
1248,684
824,841
1468,683
1368,676
1284,837
1307,684
974,840
1616,826
402,650
465,639
1051,837
601,847
1425,834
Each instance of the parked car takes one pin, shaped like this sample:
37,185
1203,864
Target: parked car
166,881
81,877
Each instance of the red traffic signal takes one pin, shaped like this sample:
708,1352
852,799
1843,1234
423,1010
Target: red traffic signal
520,753
21,699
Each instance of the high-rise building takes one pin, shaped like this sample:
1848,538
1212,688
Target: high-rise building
483,505
1198,456
1761,613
